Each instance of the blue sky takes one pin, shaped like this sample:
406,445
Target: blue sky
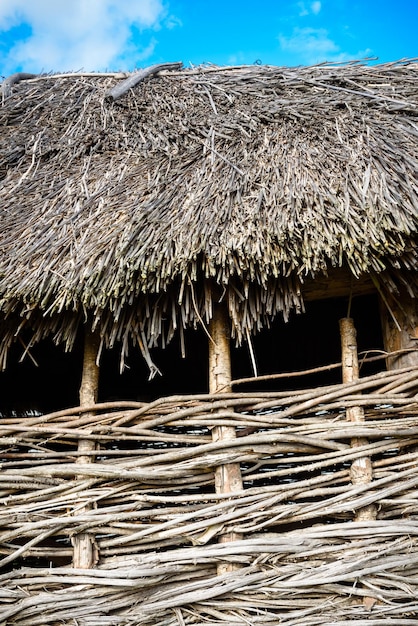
96,35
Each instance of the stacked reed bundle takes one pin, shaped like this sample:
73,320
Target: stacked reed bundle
148,499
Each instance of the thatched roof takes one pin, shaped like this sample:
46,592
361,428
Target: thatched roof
253,178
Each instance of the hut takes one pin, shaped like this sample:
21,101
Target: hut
208,345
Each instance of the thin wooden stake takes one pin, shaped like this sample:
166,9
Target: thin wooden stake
361,470
228,477
85,548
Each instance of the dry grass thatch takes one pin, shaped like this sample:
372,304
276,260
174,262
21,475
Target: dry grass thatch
249,178
136,211
149,501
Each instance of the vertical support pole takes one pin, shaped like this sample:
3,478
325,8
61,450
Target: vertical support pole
228,477
361,470
403,334
85,550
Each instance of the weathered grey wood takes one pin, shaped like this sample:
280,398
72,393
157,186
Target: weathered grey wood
401,334
7,84
117,92
158,516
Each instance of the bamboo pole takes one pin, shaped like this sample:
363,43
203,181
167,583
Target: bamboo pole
85,554
228,477
361,471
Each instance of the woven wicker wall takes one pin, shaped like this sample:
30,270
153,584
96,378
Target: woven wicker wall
149,504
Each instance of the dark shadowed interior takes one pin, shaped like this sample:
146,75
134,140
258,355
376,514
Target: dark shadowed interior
307,341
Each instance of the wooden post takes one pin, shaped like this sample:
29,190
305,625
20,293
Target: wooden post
228,477
402,334
85,553
361,470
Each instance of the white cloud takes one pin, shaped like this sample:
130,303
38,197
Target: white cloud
172,21
315,7
303,11
81,34
309,9
310,45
